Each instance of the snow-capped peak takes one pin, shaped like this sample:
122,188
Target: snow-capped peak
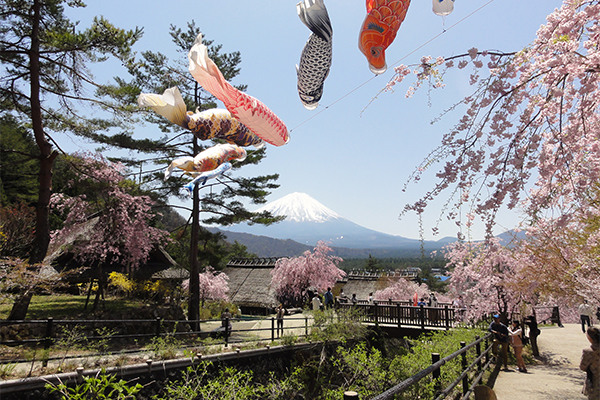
300,207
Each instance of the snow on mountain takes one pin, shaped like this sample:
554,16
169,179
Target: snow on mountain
300,207
308,221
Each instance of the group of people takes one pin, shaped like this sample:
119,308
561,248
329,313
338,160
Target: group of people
503,336
316,303
513,335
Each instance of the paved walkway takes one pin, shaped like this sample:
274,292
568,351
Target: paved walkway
556,377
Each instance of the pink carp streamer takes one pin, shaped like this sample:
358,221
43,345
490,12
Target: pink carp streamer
247,109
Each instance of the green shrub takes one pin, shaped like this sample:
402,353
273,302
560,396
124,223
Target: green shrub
101,386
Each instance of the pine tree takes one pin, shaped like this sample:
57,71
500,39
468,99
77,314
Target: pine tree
45,74
222,201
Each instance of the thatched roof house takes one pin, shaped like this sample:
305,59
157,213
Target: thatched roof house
250,284
364,282
159,265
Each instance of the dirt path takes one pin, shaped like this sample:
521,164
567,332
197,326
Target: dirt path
558,378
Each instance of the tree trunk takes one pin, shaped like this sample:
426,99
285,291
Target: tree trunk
47,155
20,306
194,304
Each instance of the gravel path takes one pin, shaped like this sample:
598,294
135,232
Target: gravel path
557,377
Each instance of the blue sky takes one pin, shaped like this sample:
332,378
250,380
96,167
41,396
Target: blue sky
350,154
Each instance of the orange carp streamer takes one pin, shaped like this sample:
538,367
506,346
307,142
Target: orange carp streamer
379,29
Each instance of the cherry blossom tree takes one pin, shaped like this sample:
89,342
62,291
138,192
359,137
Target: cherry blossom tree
402,289
292,277
528,139
213,285
532,118
561,256
486,274
19,280
121,231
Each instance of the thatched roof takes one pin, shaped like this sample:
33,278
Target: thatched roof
61,258
173,273
250,282
364,282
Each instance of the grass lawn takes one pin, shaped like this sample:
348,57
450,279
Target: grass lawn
70,306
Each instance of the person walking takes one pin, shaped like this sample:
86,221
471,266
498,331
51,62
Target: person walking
585,314
280,312
590,363
500,332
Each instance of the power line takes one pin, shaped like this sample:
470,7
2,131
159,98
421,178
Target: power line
325,108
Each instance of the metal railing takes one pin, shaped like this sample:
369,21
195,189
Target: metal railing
49,332
476,368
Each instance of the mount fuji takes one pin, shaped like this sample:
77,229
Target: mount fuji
308,221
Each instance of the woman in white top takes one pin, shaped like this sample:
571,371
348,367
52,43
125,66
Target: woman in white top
516,335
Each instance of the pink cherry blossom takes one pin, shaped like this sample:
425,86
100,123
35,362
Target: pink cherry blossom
213,285
291,277
118,221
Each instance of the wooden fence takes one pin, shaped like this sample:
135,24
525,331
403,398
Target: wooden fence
403,315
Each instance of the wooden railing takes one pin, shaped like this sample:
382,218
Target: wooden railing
403,315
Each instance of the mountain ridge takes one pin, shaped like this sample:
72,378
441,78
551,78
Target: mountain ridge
308,222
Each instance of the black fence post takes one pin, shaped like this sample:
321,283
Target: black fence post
374,310
350,395
487,353
226,332
435,357
306,326
422,316
157,327
273,329
463,363
398,313
478,351
447,317
48,339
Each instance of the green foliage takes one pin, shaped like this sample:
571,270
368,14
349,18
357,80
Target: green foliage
288,339
102,344
444,343
341,325
7,369
164,347
201,382
18,165
70,339
372,264
360,369
102,386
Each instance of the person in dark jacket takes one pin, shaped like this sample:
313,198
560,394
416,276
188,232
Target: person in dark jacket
501,337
